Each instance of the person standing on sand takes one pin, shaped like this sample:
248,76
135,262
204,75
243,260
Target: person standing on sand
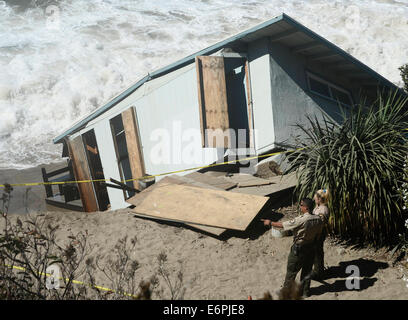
320,198
306,229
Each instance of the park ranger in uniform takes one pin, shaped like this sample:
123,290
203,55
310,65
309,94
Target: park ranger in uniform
306,228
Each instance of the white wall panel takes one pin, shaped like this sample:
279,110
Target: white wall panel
109,163
261,94
169,126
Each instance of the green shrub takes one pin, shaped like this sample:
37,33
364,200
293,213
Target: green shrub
404,75
28,248
361,163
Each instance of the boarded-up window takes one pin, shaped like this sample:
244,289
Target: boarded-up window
128,149
133,145
224,101
96,169
82,172
212,92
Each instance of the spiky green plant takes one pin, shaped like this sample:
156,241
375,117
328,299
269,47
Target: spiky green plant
361,163
404,75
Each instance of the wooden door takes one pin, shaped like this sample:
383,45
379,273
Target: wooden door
133,144
212,95
82,172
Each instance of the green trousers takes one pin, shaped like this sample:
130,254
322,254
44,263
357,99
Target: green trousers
301,257
318,264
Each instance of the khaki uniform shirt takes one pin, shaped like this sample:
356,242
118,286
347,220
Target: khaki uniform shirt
323,212
305,227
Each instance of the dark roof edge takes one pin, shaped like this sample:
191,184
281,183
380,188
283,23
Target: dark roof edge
343,53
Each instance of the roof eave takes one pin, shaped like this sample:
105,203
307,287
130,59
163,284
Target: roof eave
341,52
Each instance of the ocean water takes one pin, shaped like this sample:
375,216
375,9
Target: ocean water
60,60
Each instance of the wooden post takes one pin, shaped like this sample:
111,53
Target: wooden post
48,188
133,145
82,172
250,105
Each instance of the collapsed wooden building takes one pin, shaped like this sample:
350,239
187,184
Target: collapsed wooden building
257,84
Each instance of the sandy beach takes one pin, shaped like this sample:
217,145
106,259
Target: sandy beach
235,266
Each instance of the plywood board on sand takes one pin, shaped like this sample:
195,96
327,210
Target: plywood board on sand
201,206
218,182
171,180
247,180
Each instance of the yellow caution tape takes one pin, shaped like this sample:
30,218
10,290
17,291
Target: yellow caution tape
150,176
74,281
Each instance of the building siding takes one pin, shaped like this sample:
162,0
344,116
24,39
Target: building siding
291,99
259,66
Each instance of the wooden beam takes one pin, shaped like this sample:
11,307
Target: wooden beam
111,185
305,46
123,186
201,101
322,56
133,144
56,172
82,172
249,102
48,188
282,35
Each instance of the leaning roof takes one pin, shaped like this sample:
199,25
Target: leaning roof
284,29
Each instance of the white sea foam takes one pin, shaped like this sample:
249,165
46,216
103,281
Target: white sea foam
60,60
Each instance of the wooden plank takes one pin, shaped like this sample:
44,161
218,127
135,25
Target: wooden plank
169,180
200,98
266,190
249,102
57,172
213,230
246,184
133,145
123,186
285,180
279,184
212,91
82,172
48,188
218,182
247,180
216,173
283,35
214,208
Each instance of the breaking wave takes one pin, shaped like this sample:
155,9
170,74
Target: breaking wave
60,60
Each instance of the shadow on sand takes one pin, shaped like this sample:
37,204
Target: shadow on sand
358,281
